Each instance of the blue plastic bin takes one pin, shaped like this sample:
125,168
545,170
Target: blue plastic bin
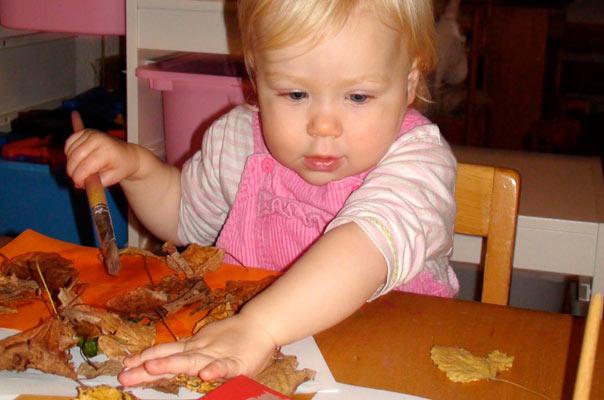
36,197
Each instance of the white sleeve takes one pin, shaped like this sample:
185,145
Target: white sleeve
406,205
211,177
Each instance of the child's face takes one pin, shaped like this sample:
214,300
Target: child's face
334,111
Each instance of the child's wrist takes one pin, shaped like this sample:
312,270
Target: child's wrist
251,320
141,162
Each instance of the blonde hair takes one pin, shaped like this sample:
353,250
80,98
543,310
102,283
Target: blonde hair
272,24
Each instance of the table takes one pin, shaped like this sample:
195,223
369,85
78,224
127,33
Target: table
386,345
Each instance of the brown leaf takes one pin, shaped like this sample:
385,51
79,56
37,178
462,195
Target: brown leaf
168,296
137,251
57,271
199,291
142,301
44,347
13,288
164,385
110,367
118,337
281,374
195,260
242,291
202,259
175,260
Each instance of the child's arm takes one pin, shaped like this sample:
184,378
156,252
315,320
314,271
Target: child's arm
329,282
148,183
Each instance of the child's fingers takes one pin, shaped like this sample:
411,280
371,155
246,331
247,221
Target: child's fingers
158,351
138,375
223,368
182,363
73,142
189,364
76,121
79,160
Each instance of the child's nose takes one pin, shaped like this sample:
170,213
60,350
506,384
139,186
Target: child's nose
324,125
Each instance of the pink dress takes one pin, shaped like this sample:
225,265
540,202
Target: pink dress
277,215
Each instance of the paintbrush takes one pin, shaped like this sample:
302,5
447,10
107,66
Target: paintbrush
100,213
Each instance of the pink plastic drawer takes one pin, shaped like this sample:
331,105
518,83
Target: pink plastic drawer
196,89
95,17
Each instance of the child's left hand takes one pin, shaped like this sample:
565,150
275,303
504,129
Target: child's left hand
220,350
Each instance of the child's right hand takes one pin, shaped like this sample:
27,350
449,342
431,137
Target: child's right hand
89,151
220,350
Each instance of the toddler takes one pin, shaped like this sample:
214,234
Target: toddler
334,177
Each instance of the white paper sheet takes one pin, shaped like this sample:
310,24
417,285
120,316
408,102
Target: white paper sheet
349,392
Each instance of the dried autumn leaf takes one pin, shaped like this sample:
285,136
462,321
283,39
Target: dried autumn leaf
195,260
44,347
462,366
199,291
57,271
118,337
217,313
281,374
175,260
238,292
173,385
137,251
164,385
110,367
170,295
13,288
242,291
195,384
103,392
202,259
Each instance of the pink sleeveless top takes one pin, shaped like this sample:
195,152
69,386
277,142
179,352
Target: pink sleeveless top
277,215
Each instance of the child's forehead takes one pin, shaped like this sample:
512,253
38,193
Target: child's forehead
306,39
298,26
344,55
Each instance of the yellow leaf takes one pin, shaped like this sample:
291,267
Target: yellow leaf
103,392
219,312
462,366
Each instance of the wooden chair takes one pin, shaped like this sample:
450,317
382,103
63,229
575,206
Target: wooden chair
487,206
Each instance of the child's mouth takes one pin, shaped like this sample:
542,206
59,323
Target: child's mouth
322,164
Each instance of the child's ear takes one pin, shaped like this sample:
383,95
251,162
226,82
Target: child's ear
412,82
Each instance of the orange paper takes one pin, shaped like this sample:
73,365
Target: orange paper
102,286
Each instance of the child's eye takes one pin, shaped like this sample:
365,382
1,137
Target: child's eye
296,95
358,98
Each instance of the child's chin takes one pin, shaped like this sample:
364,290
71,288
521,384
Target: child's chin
319,178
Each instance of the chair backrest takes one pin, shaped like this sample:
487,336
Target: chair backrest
487,206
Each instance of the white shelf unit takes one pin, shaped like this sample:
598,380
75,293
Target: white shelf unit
38,68
155,28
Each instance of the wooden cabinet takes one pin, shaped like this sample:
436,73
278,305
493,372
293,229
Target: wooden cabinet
507,48
515,65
